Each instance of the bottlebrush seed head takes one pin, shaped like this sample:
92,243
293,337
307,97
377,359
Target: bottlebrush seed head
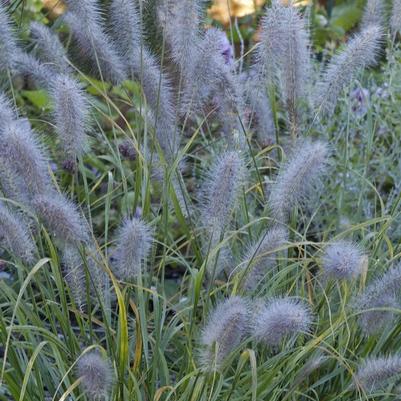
221,191
96,376
298,176
373,14
284,54
343,260
74,275
226,327
28,66
180,21
8,41
360,52
7,112
144,67
395,21
377,373
383,292
261,256
15,236
85,21
71,115
24,167
49,48
280,318
61,218
134,242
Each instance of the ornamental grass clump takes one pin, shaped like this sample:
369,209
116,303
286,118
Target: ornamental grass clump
172,193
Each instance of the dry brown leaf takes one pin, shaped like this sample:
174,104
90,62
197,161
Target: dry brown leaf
54,7
223,10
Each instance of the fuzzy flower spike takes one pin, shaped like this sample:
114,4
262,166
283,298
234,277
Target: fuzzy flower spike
343,260
360,52
284,57
226,327
280,318
96,376
297,177
134,241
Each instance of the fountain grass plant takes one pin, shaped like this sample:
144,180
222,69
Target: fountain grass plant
153,250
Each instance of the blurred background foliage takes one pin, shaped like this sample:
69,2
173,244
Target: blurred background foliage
332,20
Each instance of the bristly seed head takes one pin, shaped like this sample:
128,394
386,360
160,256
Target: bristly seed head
221,191
343,260
227,326
375,305
61,218
134,242
96,376
280,318
15,235
360,52
297,177
71,115
376,373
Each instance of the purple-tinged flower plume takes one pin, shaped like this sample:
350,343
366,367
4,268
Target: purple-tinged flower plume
284,56
343,260
360,52
211,80
220,194
383,293
74,275
7,111
24,168
85,20
61,218
134,242
71,115
144,67
80,264
373,14
8,41
281,318
261,115
28,66
96,376
15,236
227,326
376,373
260,258
49,48
181,24
395,20
297,177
